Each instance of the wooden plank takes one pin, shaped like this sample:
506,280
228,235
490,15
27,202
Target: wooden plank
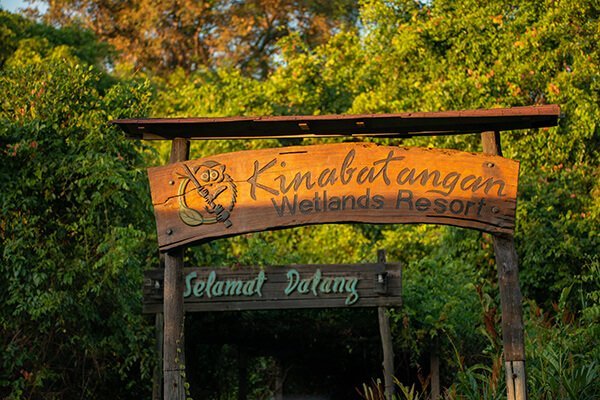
291,305
508,278
519,379
251,191
382,125
510,298
159,331
513,335
516,383
490,141
157,376
173,348
386,342
275,292
388,352
292,287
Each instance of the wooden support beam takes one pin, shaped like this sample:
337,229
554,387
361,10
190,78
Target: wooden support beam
157,376
386,341
311,126
490,142
180,150
510,297
173,349
159,332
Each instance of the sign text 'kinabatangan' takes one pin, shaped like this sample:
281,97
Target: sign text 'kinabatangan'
258,190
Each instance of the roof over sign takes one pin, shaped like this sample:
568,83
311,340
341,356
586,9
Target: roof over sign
379,125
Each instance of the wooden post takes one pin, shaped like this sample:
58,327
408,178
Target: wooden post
159,332
386,341
173,349
510,298
157,384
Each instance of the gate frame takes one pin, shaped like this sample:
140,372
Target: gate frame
487,123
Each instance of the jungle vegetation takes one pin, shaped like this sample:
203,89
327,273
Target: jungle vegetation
76,223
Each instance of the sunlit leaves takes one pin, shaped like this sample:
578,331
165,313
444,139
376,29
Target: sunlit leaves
74,228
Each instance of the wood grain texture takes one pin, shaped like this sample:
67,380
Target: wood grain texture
173,348
387,343
157,376
381,125
516,380
507,263
272,293
250,191
388,352
513,335
513,331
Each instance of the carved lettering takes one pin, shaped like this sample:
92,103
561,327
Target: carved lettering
318,284
211,286
253,180
346,182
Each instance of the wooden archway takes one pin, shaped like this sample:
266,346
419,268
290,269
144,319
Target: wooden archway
473,190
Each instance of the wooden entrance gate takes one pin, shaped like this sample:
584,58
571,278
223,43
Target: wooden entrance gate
252,191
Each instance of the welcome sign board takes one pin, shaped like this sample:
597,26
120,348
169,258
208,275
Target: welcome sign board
252,191
296,286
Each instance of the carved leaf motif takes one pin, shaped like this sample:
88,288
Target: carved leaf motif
190,216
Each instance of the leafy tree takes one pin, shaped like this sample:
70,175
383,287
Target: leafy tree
162,35
455,55
443,55
404,56
73,230
15,28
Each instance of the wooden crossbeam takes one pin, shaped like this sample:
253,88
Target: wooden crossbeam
377,125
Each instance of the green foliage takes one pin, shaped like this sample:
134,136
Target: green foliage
74,231
476,382
561,350
557,366
376,391
17,31
440,55
439,296
563,346
76,228
565,376
412,56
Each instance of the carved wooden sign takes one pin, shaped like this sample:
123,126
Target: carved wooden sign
296,286
250,191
